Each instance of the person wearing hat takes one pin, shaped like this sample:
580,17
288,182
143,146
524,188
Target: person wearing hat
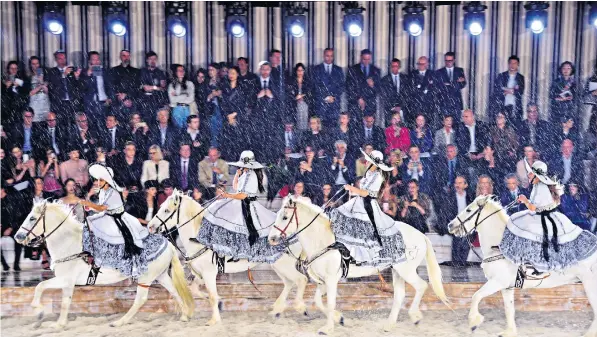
112,224
372,236
237,225
541,235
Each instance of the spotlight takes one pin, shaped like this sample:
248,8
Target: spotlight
53,17
474,18
414,20
536,18
115,14
55,27
593,15
353,18
176,17
296,20
236,20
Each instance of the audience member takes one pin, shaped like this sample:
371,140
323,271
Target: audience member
362,86
394,91
64,89
197,136
39,100
14,93
165,133
568,165
451,82
421,136
422,94
95,89
414,207
444,136
153,84
508,89
184,169
299,95
397,135
128,167
49,172
181,93
328,86
75,169
530,156
511,192
575,205
563,100
213,173
156,168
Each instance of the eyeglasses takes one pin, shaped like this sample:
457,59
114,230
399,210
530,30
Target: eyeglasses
28,116
51,120
447,60
152,152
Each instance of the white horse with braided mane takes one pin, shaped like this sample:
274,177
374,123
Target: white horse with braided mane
63,235
315,235
178,211
487,216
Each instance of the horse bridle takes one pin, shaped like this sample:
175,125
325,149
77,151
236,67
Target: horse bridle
478,214
41,239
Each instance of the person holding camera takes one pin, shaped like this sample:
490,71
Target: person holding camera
414,207
50,173
95,89
38,93
14,94
562,94
64,88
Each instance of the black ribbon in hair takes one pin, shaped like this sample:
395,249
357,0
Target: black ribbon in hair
253,234
130,248
554,238
367,201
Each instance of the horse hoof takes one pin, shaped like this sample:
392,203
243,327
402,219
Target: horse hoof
212,322
342,320
116,324
389,327
476,322
58,326
507,333
306,313
220,305
278,315
37,324
325,331
474,328
184,318
417,322
415,317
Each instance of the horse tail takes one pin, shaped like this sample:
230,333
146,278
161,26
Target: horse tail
435,273
180,284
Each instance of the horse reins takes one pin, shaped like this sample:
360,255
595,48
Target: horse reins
40,239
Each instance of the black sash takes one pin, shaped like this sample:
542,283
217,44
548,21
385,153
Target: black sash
253,234
130,248
554,238
368,200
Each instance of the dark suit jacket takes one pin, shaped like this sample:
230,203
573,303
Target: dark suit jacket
422,95
125,174
349,174
292,90
325,85
268,110
89,91
125,80
378,138
16,136
425,181
318,141
556,167
463,138
296,142
390,97
43,140
449,210
441,174
497,103
451,94
357,87
542,137
56,88
86,149
192,174
121,137
198,151
506,198
171,141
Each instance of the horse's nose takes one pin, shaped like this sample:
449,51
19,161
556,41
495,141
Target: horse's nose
150,229
273,241
20,237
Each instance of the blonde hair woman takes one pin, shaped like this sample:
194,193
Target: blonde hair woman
156,168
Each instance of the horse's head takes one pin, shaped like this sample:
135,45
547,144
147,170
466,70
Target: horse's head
42,221
291,219
471,218
168,215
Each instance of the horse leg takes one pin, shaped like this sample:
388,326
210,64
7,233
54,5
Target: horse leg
209,276
332,314
280,303
508,296
299,302
67,297
475,319
319,292
140,299
590,284
399,293
166,282
53,283
411,277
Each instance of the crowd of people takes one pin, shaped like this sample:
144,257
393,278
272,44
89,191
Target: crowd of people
161,130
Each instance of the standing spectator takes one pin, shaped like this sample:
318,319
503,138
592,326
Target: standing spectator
362,164
508,89
113,136
84,137
14,93
299,192
343,165
416,168
213,93
25,133
589,101
530,156
128,168
156,168
75,169
201,92
299,96
64,88
234,96
369,133
590,138
534,131
125,82
96,89
316,138
197,136
38,94
139,131
511,193
504,141
451,82
328,86
362,86
444,136
421,136
233,139
213,173
245,76
49,172
575,205
275,61
567,165
165,133
397,135
181,93
51,136
414,207
455,202
153,84
184,169
471,139
393,92
422,94
267,114
563,98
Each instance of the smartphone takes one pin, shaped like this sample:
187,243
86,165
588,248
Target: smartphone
39,71
141,125
25,158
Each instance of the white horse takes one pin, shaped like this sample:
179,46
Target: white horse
63,234
489,219
180,209
315,235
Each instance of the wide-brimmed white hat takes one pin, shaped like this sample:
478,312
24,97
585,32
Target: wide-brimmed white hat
100,171
247,159
539,168
376,158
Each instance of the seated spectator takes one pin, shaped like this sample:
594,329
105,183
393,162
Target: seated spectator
100,156
484,185
530,156
84,137
197,135
369,133
234,138
395,183
324,197
72,193
534,131
490,166
504,141
139,131
568,130
511,193
567,165
397,135
181,92
417,168
316,138
471,138
344,132
343,165
167,188
289,138
184,169
279,175
421,136
24,134
74,168
7,177
590,138
145,204
446,169
213,173
298,192
22,168
313,172
113,136
197,195
49,172
51,136
414,207
165,134
575,205
156,168
128,168
362,164
389,203
444,136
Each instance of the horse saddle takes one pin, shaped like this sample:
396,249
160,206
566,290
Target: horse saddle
527,271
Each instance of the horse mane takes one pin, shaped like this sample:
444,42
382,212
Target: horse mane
196,222
60,206
312,209
495,202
